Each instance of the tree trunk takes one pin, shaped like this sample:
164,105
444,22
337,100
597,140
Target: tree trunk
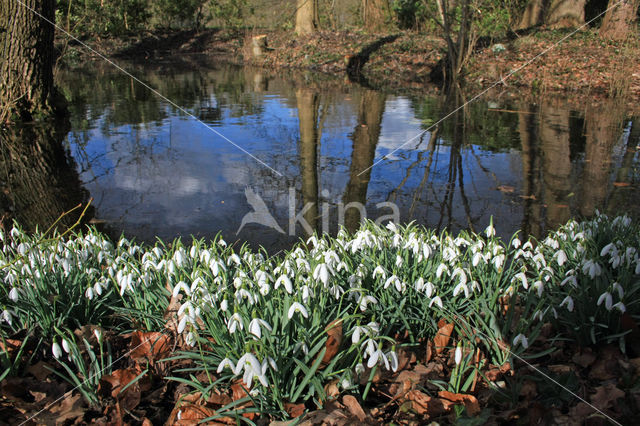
26,58
566,13
306,16
374,14
533,14
620,20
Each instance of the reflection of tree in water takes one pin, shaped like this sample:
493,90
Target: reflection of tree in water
566,161
308,104
365,139
119,100
38,178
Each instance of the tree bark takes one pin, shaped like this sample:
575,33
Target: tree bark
374,14
566,13
533,14
306,16
620,20
26,58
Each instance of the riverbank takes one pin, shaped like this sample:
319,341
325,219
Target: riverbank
584,64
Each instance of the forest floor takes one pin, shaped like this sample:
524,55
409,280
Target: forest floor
583,64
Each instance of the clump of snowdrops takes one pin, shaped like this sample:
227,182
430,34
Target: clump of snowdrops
271,323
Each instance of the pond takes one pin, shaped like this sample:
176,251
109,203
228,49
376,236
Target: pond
317,144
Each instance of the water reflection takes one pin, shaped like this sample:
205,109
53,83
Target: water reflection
38,178
155,172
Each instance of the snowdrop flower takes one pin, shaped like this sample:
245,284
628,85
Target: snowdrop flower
6,317
284,281
359,368
458,354
357,332
65,345
561,257
98,333
392,359
461,287
396,283
441,269
419,284
375,356
437,301
516,242
234,258
617,287
365,300
226,363
224,305
608,248
297,307
490,231
255,327
538,285
475,261
56,350
620,306
181,286
306,294
379,271
301,346
523,278
399,261
13,294
607,299
522,340
321,273
89,293
571,279
591,268
569,302
235,322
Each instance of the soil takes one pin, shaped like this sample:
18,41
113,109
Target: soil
582,65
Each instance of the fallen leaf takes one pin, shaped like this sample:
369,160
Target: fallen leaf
442,337
70,408
506,189
151,346
425,405
334,339
621,184
40,370
584,358
115,382
470,402
606,395
354,407
10,346
294,410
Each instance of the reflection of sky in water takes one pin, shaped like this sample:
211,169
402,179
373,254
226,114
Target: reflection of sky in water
175,177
